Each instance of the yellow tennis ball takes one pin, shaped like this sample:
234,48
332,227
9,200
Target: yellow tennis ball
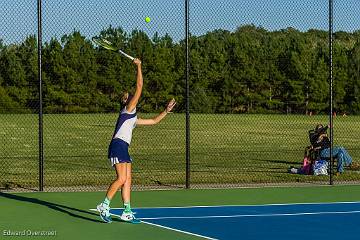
147,19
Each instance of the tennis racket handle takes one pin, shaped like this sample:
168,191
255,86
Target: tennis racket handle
127,55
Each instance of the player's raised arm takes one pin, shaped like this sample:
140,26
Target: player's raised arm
139,84
158,118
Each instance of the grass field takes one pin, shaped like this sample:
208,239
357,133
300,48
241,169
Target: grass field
225,149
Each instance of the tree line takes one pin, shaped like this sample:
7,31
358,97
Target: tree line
250,70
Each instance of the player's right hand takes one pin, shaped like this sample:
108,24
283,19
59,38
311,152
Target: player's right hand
137,62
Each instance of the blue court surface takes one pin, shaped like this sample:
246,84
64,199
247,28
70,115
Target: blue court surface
272,221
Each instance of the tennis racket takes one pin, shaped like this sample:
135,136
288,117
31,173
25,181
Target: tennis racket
110,46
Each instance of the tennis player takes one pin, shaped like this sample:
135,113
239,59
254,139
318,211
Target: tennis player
118,149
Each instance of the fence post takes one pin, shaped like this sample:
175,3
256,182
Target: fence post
41,150
331,15
187,93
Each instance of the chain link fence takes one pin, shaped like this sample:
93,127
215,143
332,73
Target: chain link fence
258,83
18,95
346,84
83,98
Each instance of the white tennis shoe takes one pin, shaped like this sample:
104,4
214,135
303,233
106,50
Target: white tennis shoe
129,217
104,211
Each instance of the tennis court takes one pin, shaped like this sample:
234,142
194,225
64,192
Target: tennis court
321,212
255,77
271,221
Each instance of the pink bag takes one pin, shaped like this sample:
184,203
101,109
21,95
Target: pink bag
306,168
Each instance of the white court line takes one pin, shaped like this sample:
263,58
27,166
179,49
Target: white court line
252,215
249,215
177,230
250,205
161,226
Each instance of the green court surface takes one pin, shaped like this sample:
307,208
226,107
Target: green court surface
69,214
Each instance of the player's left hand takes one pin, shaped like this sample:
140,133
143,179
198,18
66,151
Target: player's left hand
170,105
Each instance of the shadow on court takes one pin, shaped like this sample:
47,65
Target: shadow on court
71,211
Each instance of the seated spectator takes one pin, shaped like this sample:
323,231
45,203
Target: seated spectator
322,143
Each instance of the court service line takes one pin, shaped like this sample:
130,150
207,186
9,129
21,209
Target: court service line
253,215
251,205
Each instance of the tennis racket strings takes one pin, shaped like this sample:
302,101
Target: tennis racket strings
110,46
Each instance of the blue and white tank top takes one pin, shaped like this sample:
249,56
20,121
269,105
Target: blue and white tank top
125,124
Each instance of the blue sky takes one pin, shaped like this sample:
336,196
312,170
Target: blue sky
18,17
